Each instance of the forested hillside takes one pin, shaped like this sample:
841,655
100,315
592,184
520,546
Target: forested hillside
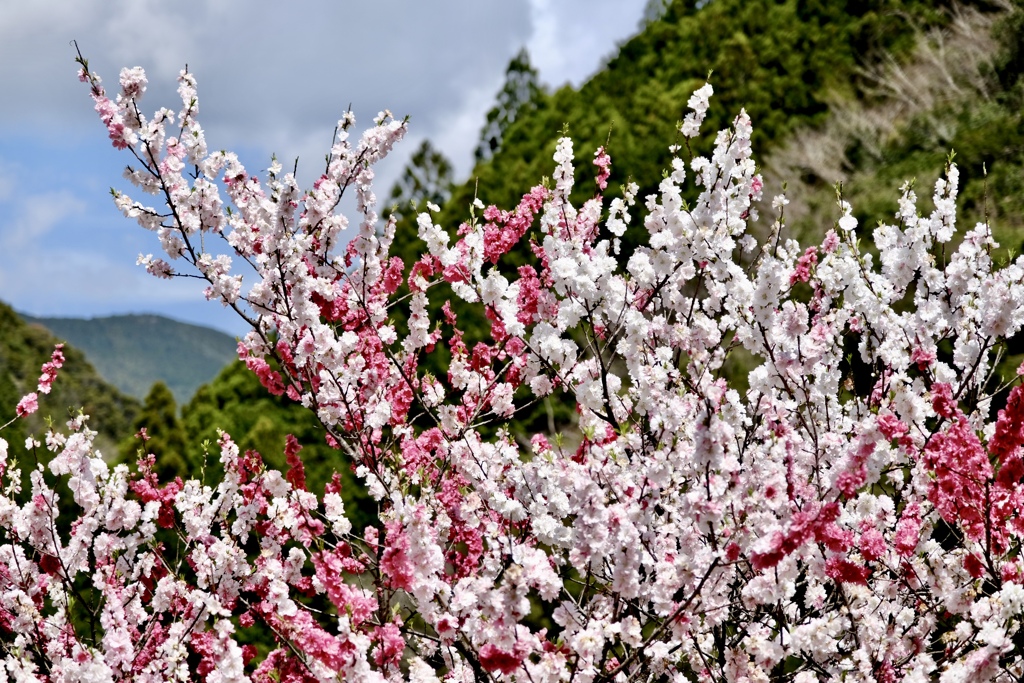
957,90
786,63
871,93
799,68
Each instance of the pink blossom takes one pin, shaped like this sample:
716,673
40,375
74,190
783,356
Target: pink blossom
844,571
962,469
943,402
269,378
296,474
336,653
390,645
28,404
205,645
908,530
922,358
504,229
50,368
872,544
831,242
817,523
604,167
331,568
1008,437
804,264
395,562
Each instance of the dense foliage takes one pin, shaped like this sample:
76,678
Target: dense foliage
957,88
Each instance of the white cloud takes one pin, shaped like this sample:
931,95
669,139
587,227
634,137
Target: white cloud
272,78
35,217
458,137
277,80
6,184
267,71
571,38
569,41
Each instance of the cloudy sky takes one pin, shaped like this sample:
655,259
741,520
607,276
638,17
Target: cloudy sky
273,78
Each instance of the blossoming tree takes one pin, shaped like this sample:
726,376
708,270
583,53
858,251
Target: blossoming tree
851,512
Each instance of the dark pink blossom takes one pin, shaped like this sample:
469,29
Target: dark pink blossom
845,571
923,358
390,645
493,658
872,544
962,471
296,473
505,228
804,265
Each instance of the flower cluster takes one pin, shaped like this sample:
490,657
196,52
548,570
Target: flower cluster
29,403
785,464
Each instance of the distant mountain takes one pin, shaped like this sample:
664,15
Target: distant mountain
23,349
134,351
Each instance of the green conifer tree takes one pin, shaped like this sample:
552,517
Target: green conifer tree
426,178
165,438
521,92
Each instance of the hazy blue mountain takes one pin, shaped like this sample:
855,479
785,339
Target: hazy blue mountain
23,349
134,351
